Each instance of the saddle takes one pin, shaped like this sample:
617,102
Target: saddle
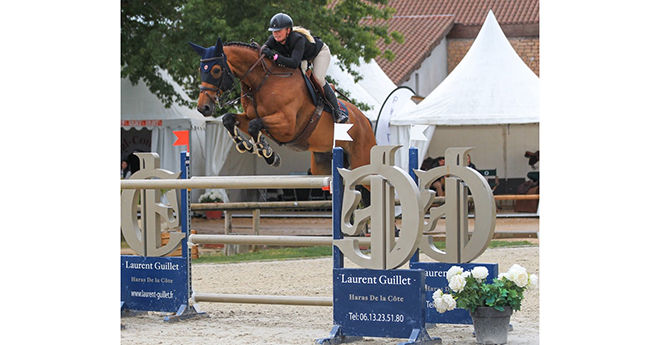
317,94
318,98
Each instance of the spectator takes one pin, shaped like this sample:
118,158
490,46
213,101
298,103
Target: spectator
429,163
125,170
439,184
470,164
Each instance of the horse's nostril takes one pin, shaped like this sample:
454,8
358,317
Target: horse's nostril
204,109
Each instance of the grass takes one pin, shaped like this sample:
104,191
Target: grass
311,252
267,254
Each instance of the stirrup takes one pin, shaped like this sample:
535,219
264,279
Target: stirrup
337,115
341,117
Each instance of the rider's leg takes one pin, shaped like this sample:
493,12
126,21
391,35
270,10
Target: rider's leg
339,116
321,63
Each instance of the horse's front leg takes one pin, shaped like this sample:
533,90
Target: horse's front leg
229,120
261,145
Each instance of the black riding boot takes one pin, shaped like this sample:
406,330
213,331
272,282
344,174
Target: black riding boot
339,116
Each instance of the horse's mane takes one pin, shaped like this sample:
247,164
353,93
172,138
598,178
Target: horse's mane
243,44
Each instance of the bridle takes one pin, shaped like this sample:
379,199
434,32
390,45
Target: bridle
222,82
249,92
226,72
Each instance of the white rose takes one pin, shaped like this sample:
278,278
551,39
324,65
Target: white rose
443,302
480,273
534,280
457,283
454,270
518,275
439,305
450,301
437,294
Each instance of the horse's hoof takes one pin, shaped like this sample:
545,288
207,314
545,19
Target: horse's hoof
277,162
243,147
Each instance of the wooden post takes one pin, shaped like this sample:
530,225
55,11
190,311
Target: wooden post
229,249
256,222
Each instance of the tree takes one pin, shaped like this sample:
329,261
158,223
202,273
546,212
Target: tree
155,34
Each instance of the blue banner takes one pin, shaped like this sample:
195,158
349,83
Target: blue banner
154,283
378,303
436,279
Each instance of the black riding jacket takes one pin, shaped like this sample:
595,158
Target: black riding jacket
295,49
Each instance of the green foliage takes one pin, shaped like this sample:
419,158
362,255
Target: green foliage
498,294
155,35
268,254
274,254
493,244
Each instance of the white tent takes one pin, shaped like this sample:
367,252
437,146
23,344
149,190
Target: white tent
372,89
140,109
494,98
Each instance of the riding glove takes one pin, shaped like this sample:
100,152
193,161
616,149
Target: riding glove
268,52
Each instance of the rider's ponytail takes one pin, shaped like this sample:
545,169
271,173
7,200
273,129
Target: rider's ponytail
305,32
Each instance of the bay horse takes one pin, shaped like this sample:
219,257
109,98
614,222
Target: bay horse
277,104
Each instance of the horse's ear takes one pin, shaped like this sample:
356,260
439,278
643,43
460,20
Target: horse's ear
198,49
218,48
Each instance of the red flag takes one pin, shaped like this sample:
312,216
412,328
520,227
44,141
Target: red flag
182,138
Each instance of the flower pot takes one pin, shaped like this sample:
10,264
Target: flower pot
490,325
213,214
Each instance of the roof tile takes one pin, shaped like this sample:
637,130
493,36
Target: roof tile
425,23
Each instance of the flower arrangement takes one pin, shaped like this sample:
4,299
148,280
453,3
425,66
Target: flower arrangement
470,290
214,195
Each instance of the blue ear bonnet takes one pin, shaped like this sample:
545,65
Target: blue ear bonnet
212,56
210,59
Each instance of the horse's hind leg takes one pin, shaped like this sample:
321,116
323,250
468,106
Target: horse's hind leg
242,143
321,163
261,145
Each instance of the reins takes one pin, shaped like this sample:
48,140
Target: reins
226,69
268,70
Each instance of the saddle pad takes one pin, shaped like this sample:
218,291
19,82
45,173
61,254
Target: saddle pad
316,98
342,107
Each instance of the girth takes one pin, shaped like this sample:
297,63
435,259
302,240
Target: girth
300,143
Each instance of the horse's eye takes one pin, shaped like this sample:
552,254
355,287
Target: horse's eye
216,72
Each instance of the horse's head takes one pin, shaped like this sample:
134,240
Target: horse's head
216,76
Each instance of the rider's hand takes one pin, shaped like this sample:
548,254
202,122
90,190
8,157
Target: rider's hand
268,52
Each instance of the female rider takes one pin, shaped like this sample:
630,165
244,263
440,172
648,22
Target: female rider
289,46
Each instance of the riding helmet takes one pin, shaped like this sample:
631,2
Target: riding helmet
280,21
